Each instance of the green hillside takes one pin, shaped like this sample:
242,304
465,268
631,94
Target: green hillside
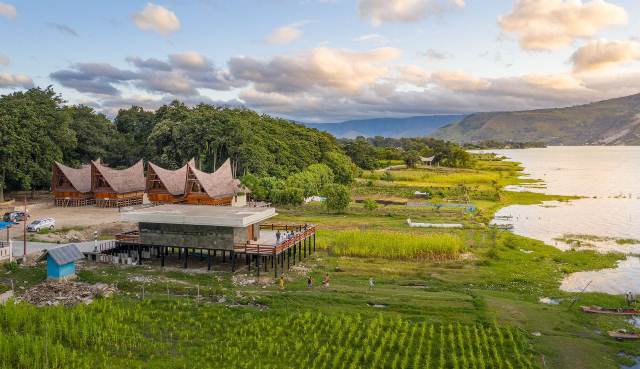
610,122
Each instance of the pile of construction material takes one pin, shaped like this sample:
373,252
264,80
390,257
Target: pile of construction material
51,293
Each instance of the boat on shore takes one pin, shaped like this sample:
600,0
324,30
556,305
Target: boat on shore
622,334
612,311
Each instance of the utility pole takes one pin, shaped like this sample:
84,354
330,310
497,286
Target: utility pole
24,231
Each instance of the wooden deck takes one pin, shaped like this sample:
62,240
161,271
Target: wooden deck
261,247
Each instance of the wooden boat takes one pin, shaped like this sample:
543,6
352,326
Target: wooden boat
622,334
613,311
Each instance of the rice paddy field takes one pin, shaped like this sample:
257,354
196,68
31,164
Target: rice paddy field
396,245
455,299
112,334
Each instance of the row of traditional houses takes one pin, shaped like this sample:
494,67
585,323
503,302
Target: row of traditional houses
98,184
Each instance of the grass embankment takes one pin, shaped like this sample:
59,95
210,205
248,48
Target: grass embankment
395,245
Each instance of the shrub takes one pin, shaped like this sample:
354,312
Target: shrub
337,197
370,205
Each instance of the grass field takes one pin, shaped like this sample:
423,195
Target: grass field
426,312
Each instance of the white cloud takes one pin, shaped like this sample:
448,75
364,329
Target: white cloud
380,11
15,80
156,18
340,69
8,11
459,81
414,75
552,24
284,34
371,37
602,54
554,81
189,60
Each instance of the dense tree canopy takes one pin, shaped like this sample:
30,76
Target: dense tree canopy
34,131
36,128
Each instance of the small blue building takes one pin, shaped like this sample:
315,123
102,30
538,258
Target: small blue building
61,262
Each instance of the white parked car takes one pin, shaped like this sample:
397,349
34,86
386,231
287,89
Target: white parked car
41,224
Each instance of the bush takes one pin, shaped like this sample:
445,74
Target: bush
370,205
342,167
337,197
287,196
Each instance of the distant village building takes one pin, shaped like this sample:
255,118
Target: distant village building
71,186
115,188
428,160
61,262
166,186
217,188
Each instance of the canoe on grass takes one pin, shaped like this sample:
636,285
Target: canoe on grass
621,334
614,311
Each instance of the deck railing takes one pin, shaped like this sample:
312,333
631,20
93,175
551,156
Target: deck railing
252,247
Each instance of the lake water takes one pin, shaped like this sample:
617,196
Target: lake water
607,219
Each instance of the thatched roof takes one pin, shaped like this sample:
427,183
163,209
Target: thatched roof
125,180
219,183
80,179
173,180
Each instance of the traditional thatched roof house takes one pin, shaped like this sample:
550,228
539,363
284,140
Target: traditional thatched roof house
166,186
113,187
71,186
427,161
217,188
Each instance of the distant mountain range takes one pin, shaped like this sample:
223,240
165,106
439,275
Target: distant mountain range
609,122
387,127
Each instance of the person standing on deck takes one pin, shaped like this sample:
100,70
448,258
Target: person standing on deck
278,237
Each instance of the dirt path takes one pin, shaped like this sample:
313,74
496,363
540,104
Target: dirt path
72,224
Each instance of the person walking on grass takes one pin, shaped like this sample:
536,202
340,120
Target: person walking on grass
325,281
309,282
372,283
281,282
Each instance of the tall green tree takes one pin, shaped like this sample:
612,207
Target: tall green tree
96,136
34,131
362,153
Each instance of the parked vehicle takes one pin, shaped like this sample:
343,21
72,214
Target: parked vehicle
15,216
41,224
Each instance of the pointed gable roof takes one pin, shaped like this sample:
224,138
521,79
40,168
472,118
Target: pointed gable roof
124,180
219,183
80,179
173,180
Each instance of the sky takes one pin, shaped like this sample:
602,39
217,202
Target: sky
324,60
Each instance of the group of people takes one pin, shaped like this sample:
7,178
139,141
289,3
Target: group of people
325,282
288,234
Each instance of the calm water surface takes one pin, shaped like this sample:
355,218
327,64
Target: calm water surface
609,179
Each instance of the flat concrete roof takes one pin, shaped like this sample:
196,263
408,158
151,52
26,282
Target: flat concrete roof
222,216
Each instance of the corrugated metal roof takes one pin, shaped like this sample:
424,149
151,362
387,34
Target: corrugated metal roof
65,254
